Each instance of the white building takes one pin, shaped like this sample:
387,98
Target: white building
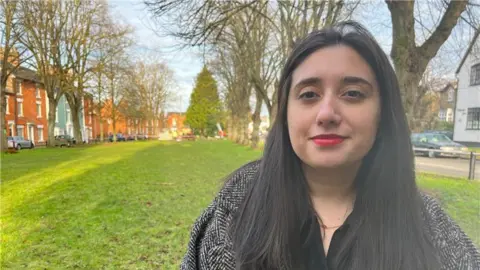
467,109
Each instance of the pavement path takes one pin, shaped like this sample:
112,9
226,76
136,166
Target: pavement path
446,166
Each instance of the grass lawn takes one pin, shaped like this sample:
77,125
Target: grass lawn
131,205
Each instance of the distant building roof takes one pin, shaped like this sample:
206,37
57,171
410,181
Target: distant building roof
447,86
26,74
469,49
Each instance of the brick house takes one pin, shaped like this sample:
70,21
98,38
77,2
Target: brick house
129,126
447,103
26,110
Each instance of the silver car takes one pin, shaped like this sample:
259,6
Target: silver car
19,142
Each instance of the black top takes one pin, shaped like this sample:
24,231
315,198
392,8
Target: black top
315,253
210,246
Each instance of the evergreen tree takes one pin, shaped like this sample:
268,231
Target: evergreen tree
204,111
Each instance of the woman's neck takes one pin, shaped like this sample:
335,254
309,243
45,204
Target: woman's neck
331,185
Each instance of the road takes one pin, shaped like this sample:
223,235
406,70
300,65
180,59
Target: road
446,166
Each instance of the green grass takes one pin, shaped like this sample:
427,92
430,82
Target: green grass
115,206
459,197
131,205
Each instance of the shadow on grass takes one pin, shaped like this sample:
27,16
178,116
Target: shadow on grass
131,211
27,161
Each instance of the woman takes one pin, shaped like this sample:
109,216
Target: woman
336,187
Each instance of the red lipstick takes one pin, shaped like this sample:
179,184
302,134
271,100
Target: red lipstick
327,139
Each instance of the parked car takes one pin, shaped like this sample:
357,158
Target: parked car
120,137
19,142
436,141
141,137
64,140
447,133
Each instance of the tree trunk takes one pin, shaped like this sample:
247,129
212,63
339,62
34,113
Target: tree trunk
100,121
411,60
3,125
229,128
77,129
52,108
75,104
235,129
256,120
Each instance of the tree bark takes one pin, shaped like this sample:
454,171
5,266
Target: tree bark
256,119
77,129
4,124
52,109
411,60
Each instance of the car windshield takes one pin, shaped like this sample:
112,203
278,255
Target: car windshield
9,138
438,138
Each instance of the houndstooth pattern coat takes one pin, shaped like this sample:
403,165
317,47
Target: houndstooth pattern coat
210,247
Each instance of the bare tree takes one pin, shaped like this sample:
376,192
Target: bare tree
12,54
90,27
147,90
45,24
100,64
208,22
410,59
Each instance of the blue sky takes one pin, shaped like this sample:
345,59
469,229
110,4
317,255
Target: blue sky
186,64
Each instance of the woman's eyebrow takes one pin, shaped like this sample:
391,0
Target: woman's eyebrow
306,82
356,80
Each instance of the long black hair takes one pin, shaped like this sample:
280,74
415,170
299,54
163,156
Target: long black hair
390,232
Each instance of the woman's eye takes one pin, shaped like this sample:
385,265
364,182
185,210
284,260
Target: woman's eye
354,94
308,95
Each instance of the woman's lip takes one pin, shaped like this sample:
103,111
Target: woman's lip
328,141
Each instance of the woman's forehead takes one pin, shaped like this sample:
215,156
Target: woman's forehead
333,63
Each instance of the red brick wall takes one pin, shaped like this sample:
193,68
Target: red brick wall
29,116
179,118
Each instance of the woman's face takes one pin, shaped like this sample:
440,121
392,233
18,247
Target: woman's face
333,108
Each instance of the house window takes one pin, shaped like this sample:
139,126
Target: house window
39,109
7,110
19,88
20,131
20,108
475,75
10,129
69,119
442,115
451,95
449,115
37,91
473,118
40,134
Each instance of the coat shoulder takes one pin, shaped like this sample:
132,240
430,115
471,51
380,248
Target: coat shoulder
456,249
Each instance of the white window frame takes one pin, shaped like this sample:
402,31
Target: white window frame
69,116
7,110
40,133
19,88
37,91
20,112
11,128
23,131
39,112
450,95
475,74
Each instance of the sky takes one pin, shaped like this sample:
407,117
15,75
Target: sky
187,63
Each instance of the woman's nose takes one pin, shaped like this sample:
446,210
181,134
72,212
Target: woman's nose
328,112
